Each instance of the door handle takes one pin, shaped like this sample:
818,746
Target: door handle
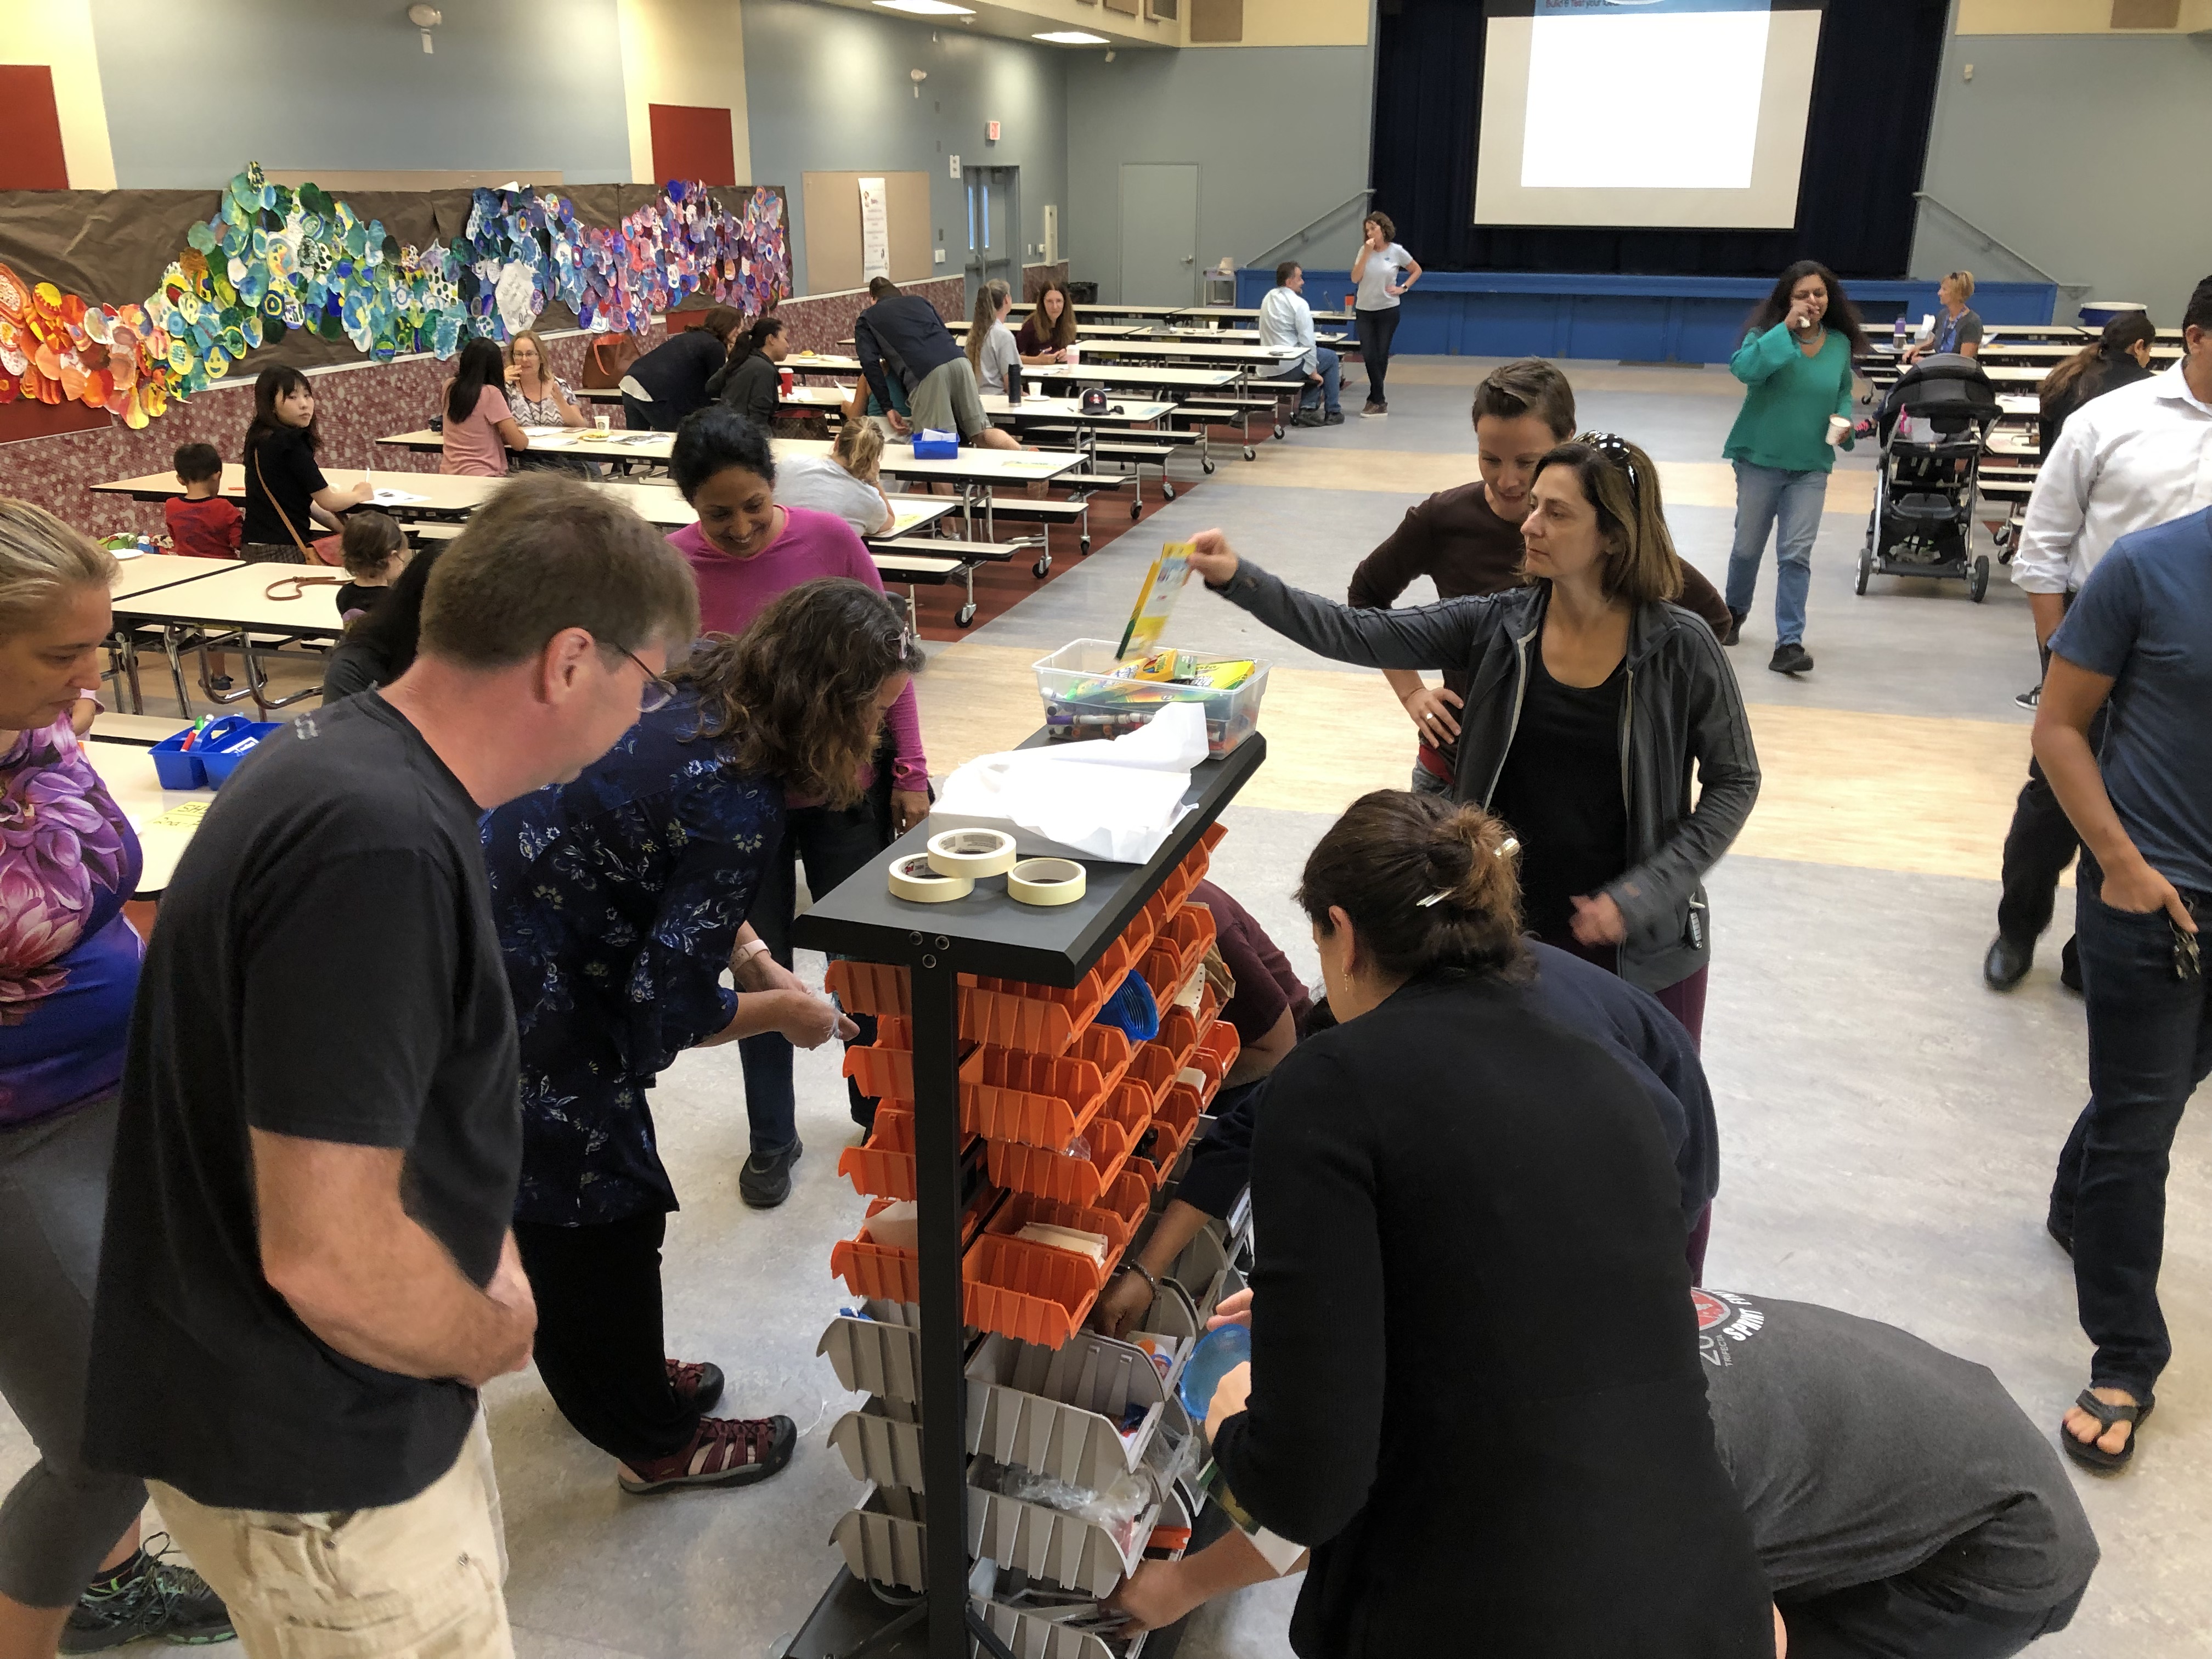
1190,258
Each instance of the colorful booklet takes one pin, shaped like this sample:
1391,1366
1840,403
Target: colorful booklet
1156,599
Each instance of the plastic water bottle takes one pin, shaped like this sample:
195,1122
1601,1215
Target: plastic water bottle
1219,1354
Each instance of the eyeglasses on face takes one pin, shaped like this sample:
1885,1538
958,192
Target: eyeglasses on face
655,694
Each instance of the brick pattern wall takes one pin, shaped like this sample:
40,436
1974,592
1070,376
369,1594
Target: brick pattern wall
356,406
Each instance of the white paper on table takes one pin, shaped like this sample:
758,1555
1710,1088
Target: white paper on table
1115,800
396,497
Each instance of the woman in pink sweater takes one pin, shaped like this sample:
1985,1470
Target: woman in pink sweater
744,551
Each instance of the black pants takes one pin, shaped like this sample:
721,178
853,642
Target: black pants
599,1345
2038,848
640,417
833,844
1904,1619
2150,1045
1376,330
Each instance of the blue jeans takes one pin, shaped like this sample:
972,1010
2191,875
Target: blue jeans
1764,495
2150,1045
1322,394
833,845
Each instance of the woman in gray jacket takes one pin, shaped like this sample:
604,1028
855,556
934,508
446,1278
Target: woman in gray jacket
1590,697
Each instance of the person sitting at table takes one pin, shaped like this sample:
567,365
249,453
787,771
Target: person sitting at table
991,349
480,426
1286,324
902,338
286,495
71,1566
750,382
744,551
1474,1392
1957,329
378,649
373,550
846,482
1466,540
670,381
1982,1550
620,900
203,525
540,398
1050,328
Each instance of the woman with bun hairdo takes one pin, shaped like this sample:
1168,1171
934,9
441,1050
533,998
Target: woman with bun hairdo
1591,696
1474,1390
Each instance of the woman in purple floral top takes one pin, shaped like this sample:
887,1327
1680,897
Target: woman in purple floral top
69,967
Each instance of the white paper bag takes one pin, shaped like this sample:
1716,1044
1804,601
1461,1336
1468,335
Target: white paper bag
1115,801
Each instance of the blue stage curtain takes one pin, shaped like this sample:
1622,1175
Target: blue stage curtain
1865,140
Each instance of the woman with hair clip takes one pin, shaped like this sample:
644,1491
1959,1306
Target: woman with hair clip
1795,365
1591,697
847,481
621,898
287,496
1050,328
751,381
480,425
991,347
1476,1390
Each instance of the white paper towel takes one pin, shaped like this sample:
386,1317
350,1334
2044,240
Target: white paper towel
1115,800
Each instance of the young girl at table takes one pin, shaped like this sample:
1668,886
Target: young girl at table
846,482
379,647
375,552
480,424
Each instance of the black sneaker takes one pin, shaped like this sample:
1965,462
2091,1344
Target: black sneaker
2007,962
145,1596
1307,417
2031,697
1736,620
765,1181
1335,418
1790,659
219,682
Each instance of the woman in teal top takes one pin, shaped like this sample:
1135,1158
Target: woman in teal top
1796,363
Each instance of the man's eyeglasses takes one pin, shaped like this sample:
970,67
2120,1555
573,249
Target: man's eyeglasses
656,692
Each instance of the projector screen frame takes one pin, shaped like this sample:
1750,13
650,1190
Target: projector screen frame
1771,202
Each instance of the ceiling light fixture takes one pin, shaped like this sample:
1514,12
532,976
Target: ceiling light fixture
927,8
1063,37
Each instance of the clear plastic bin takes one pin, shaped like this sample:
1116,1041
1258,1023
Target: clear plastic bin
1077,705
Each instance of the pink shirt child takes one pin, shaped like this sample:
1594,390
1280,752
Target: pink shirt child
732,592
474,447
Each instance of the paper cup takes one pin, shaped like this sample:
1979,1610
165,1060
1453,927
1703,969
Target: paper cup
1838,428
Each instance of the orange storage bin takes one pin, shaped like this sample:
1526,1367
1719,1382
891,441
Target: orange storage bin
1176,950
1216,1054
870,1269
876,1172
868,987
1176,1119
1007,1095
1115,1216
895,1032
1080,1181
1152,1069
1180,1029
1030,1292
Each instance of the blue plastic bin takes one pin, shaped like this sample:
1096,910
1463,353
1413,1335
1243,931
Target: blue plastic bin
223,755
932,445
180,767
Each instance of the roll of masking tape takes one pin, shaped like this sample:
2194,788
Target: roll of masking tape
1046,881
972,852
912,877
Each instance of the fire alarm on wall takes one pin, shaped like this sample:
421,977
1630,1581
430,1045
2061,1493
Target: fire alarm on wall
991,131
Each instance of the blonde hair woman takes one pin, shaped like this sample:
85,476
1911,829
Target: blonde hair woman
1957,328
845,481
69,970
991,348
539,397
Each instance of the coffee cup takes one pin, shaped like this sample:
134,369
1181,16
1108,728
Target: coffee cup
1839,427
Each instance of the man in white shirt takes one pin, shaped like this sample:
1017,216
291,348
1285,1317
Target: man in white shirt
1286,324
2138,456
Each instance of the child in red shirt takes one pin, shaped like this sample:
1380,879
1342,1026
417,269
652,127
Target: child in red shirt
202,524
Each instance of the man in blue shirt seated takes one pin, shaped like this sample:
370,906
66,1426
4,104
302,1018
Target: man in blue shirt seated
1286,324
2138,639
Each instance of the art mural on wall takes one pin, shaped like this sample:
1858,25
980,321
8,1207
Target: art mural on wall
276,259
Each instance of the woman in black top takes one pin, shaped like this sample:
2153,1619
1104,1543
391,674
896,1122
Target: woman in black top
670,381
751,381
287,497
1590,697
2120,357
1475,1391
378,647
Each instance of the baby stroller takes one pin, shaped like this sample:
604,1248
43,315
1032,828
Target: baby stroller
1933,427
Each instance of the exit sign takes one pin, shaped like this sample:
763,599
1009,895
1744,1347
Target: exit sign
991,131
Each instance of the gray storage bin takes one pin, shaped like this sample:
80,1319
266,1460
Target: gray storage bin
1064,1549
881,1442
880,1355
882,1539
1058,1413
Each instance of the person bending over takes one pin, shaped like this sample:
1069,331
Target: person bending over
307,1271
620,900
901,337
1471,1289
1590,698
1466,540
1948,1532
670,381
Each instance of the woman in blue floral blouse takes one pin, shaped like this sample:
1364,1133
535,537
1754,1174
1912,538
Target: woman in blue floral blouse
620,898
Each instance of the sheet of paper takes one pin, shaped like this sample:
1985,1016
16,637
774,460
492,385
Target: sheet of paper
395,497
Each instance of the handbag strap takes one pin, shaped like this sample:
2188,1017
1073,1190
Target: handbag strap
271,496
300,584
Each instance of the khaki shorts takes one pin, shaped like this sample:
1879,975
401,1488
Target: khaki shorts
418,1580
947,401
